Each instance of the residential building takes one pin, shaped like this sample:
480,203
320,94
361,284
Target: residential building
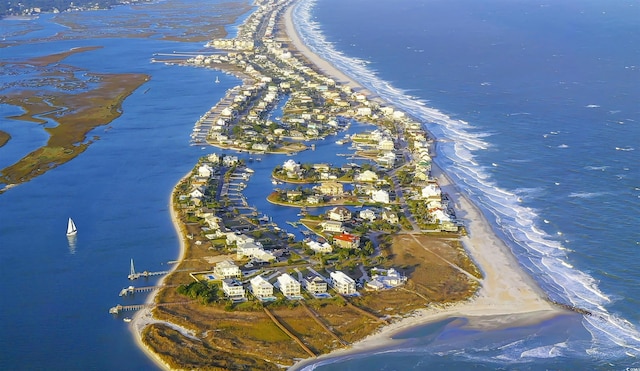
315,285
331,188
331,226
366,176
288,285
431,191
347,241
226,269
255,251
291,166
233,289
261,288
339,213
342,283
385,278
368,214
205,171
381,196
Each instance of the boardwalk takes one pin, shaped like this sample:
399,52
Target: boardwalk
123,308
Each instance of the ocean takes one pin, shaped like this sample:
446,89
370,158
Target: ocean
535,106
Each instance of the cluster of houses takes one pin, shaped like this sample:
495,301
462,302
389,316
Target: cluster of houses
262,288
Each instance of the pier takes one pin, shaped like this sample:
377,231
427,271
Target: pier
132,290
133,275
124,308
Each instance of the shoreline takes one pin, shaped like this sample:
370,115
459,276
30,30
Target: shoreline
507,295
144,317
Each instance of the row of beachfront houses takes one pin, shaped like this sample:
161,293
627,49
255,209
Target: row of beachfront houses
262,289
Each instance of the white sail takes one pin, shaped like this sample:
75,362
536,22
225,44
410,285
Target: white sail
71,228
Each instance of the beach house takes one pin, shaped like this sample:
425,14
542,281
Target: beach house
317,247
339,213
226,269
342,283
261,288
288,286
315,285
233,289
331,226
347,241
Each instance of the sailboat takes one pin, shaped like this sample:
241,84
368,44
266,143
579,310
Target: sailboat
217,80
71,228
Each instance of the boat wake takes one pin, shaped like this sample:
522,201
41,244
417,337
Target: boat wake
540,253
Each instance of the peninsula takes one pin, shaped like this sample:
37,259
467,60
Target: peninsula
390,242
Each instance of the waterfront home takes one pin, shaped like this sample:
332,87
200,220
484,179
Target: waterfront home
339,213
294,195
342,283
205,171
331,226
321,167
290,166
226,269
431,191
381,196
323,248
214,158
385,279
261,288
261,147
366,176
314,199
315,285
347,241
331,188
233,289
255,251
230,160
368,214
237,238
288,286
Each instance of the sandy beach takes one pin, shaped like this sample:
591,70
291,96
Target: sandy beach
144,317
507,297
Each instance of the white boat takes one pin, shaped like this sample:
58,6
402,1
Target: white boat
217,80
127,319
71,228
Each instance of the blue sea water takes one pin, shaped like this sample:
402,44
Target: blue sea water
536,106
536,109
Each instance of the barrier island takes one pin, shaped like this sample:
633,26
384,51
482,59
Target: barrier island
399,246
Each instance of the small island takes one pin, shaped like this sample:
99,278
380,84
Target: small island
398,244
80,102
